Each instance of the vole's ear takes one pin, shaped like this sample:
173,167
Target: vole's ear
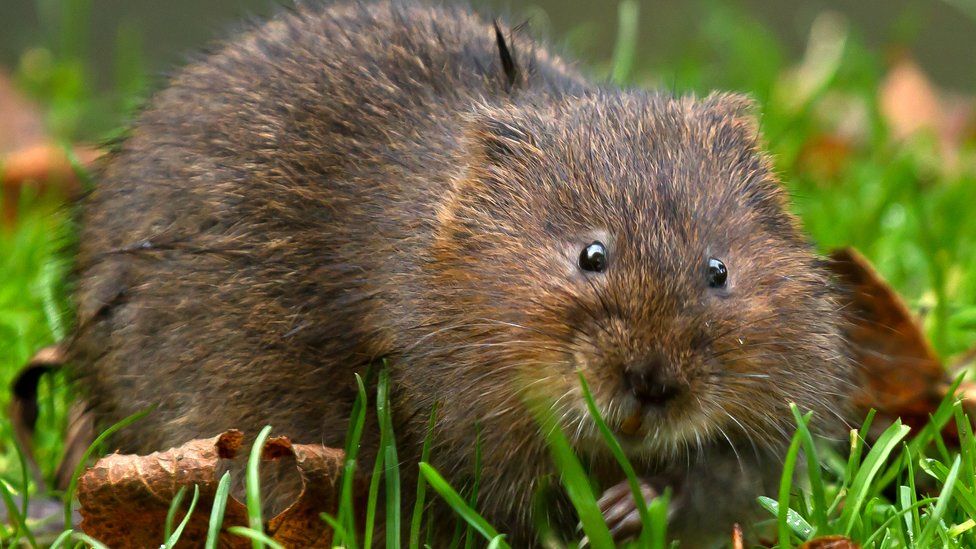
506,55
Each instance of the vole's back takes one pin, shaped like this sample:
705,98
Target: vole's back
238,248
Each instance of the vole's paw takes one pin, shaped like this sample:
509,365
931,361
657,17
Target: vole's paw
620,510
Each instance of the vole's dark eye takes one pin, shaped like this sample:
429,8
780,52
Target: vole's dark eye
717,273
594,257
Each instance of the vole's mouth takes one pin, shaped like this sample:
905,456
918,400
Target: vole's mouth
638,423
650,429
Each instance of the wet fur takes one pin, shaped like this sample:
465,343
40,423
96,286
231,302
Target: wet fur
357,182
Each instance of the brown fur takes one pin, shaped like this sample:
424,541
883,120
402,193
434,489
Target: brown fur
359,182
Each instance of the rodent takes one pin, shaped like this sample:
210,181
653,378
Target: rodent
361,182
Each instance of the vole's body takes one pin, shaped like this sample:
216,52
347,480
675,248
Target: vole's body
353,183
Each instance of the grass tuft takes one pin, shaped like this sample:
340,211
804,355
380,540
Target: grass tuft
460,506
171,539
253,488
217,511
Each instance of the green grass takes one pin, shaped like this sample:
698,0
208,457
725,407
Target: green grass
900,203
217,511
859,509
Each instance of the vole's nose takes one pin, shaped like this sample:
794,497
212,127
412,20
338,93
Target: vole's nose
650,383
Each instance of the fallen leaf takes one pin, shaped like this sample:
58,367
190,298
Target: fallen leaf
44,162
830,542
300,525
900,374
28,155
908,100
125,498
45,166
23,121
910,104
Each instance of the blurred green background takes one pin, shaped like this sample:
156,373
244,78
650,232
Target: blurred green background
941,34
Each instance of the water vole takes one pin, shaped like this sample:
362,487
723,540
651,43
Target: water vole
357,182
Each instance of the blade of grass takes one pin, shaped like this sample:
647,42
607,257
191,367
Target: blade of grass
497,541
92,542
940,506
574,479
429,537
962,528
785,486
373,496
459,527
24,481
217,511
20,520
905,512
418,506
338,531
473,499
814,474
391,463
253,487
78,167
347,511
857,446
171,540
794,520
461,507
937,470
621,457
83,462
658,512
624,51
916,526
174,505
966,442
926,434
62,537
862,485
257,537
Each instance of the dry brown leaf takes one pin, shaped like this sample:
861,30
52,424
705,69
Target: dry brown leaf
910,103
22,121
901,376
27,155
44,162
43,165
831,542
300,525
908,100
125,498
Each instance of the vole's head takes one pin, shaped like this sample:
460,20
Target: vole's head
645,242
